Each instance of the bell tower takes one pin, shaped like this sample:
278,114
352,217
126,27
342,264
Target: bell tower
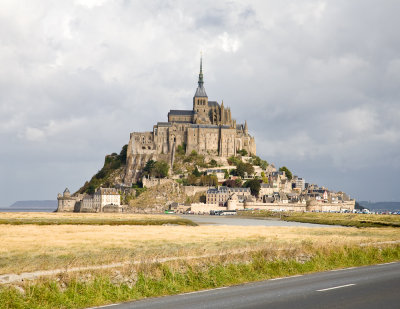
200,99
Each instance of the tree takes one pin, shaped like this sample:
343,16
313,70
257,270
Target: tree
243,168
226,174
254,185
149,168
196,172
264,178
91,189
208,180
161,169
256,160
123,153
242,152
287,172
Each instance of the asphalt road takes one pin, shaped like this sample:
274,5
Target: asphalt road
233,220
363,287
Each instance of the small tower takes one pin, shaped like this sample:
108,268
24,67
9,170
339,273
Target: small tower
200,99
246,129
67,193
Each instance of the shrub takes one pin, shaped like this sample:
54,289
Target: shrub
232,160
181,150
161,169
242,152
213,163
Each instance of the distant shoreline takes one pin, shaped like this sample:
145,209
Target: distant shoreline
23,209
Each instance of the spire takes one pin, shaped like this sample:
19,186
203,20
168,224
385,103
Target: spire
201,82
245,127
200,91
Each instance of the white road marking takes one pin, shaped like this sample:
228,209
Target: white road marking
276,279
202,291
105,306
336,287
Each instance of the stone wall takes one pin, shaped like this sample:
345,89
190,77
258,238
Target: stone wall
114,208
200,208
301,207
153,182
192,190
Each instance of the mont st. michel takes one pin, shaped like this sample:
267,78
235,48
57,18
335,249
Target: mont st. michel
199,161
207,129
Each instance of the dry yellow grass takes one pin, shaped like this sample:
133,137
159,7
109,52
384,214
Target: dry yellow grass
32,247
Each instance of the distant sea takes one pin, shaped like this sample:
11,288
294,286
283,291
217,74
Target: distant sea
31,206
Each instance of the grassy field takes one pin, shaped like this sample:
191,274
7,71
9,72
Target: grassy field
20,218
35,247
344,219
225,255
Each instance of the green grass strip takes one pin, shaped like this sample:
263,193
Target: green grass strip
343,219
97,222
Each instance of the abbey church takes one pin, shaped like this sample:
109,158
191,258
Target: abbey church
208,128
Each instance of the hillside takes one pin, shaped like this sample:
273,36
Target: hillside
109,175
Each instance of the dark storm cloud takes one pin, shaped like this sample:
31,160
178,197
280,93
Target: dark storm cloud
318,82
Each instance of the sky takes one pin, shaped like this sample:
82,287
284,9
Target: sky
317,81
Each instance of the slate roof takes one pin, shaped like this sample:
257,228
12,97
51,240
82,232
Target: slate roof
179,112
164,124
201,92
212,103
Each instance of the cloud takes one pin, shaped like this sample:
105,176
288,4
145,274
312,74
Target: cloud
316,80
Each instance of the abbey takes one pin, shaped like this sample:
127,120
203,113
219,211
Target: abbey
208,128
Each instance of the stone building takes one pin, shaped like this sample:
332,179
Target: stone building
88,203
66,202
221,195
101,198
208,128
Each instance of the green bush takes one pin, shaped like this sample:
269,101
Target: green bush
242,152
243,168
